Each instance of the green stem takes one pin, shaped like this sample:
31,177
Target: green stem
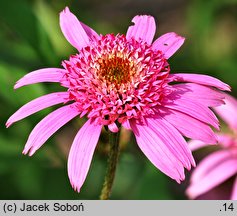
112,164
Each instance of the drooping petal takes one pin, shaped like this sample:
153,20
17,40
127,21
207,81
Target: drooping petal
197,144
199,79
205,95
234,191
189,127
41,75
168,43
173,139
157,151
228,111
75,32
212,171
143,29
192,108
113,127
81,153
224,140
37,105
48,126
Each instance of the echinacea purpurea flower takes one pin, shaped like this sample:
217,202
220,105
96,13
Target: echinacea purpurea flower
124,80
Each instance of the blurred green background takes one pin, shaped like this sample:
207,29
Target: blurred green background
30,38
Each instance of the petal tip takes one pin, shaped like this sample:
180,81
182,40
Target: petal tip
168,43
25,152
75,187
65,10
177,36
189,194
28,152
8,124
113,128
73,30
17,85
227,88
31,152
143,28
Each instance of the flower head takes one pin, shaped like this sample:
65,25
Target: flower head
220,165
124,80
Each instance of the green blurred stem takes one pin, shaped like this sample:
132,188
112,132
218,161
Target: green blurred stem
112,164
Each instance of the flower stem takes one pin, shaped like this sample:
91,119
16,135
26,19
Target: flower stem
112,164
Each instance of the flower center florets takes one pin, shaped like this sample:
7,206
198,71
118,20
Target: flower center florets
114,79
115,70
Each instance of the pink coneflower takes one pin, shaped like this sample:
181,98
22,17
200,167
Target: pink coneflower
220,165
124,80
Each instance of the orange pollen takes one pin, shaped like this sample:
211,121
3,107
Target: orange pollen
115,70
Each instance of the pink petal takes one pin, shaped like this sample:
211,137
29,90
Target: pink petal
234,191
113,127
126,125
205,95
192,108
212,171
208,164
228,111
48,126
226,140
37,105
197,144
42,75
81,153
199,79
89,31
168,43
143,29
75,32
189,127
173,139
223,140
157,150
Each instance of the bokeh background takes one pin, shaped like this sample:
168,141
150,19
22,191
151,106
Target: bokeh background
30,38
